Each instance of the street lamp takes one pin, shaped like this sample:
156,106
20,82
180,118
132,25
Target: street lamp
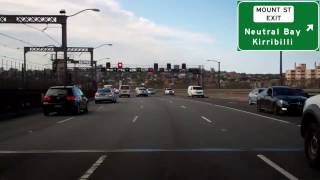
64,37
212,60
101,45
89,9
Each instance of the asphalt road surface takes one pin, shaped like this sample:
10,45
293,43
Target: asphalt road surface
160,137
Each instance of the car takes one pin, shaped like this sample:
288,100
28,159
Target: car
107,86
124,90
281,99
141,91
310,130
195,91
151,91
64,99
253,95
168,91
105,95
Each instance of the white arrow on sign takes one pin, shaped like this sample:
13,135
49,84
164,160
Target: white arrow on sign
310,27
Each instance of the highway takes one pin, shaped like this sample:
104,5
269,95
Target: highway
160,137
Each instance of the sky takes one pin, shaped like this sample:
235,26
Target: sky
144,32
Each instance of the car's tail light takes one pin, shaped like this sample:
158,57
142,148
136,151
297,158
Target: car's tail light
97,94
46,98
71,98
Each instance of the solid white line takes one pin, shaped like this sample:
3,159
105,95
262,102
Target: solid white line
65,120
135,119
208,120
275,119
276,167
94,166
183,107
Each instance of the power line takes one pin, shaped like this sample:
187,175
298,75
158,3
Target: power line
43,31
14,38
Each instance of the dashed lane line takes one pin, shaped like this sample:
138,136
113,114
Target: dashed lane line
94,166
277,167
206,119
65,120
135,119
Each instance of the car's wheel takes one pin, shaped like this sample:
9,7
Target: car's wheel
275,110
259,109
46,112
312,145
86,108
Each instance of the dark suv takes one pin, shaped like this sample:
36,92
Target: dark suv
64,99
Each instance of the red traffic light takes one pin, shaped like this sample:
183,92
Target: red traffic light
120,65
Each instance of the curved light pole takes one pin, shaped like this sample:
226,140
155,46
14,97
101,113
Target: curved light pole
212,60
64,39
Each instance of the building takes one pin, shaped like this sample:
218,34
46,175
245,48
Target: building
300,72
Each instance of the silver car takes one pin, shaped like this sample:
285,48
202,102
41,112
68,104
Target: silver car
253,95
105,95
141,91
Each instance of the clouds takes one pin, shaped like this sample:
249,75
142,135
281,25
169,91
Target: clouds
137,40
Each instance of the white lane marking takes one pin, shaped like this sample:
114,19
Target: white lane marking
299,125
208,120
276,167
224,130
99,108
141,107
170,101
183,107
94,166
275,119
65,120
135,119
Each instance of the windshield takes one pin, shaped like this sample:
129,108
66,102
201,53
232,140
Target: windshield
284,92
159,89
105,90
57,92
124,87
197,88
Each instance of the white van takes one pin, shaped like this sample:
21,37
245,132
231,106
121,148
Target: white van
124,90
195,91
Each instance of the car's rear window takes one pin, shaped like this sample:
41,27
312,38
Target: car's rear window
124,87
104,90
197,88
169,89
58,92
142,88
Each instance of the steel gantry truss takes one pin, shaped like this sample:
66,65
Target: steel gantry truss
42,19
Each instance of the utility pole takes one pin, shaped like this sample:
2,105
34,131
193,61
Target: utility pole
281,78
219,76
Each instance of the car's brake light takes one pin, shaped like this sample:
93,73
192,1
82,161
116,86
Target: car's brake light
97,94
71,98
46,98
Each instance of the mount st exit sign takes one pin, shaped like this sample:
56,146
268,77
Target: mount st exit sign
278,25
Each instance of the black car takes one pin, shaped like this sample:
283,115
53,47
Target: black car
279,99
64,99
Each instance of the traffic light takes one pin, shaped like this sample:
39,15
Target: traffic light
184,66
155,66
161,69
120,65
138,69
108,65
168,66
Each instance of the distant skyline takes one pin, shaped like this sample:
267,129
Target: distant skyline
148,31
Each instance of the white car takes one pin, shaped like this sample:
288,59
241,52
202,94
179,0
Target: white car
253,95
124,90
310,130
195,91
141,91
168,91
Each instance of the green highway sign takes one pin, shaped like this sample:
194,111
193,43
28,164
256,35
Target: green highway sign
278,25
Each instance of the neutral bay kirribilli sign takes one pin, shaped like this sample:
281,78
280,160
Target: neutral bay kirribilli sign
278,25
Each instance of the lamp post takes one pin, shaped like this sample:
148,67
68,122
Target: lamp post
212,60
64,38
